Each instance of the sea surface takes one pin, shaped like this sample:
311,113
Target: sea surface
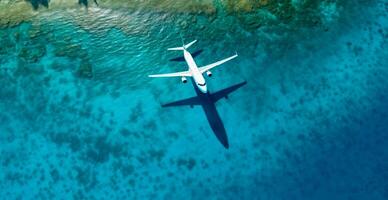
80,119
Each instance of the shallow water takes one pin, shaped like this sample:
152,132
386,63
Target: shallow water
81,119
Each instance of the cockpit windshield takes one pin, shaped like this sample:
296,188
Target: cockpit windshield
203,84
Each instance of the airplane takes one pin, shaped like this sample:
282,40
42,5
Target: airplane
194,71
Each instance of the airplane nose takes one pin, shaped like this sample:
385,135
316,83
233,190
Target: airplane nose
204,89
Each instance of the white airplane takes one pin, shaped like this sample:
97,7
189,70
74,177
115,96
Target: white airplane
194,71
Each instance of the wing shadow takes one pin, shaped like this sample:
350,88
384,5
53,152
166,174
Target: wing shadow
182,59
207,101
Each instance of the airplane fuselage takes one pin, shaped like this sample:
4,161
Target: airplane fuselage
194,71
197,75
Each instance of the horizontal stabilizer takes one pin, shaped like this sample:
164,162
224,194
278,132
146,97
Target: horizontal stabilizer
191,43
176,74
182,48
176,49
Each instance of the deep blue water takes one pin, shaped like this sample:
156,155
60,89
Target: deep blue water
80,118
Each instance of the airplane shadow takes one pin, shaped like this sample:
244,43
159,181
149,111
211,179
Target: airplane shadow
207,101
182,59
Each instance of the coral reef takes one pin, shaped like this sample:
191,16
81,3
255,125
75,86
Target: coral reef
251,13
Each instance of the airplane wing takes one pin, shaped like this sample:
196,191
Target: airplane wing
176,74
184,102
210,66
224,92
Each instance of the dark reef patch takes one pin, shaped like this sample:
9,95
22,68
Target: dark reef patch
101,150
37,3
85,69
189,163
86,176
74,142
136,113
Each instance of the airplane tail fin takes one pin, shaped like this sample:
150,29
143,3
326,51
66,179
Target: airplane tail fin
186,46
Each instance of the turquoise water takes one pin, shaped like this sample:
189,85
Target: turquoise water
80,118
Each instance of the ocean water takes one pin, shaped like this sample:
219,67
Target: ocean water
80,119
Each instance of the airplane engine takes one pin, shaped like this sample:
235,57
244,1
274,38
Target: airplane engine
184,79
209,73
